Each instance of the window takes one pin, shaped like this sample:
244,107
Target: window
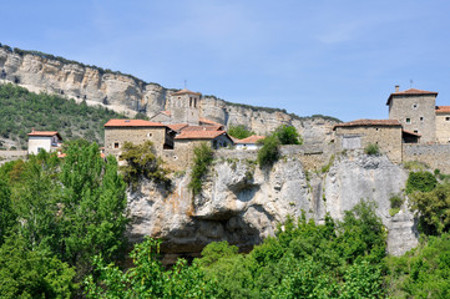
414,106
416,131
149,135
116,145
421,118
447,118
408,120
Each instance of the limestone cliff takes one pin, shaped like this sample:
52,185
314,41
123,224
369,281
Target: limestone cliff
243,204
125,93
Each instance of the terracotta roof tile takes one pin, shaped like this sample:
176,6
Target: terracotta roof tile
199,134
369,123
43,133
203,128
411,92
209,122
442,109
251,139
185,91
177,127
132,123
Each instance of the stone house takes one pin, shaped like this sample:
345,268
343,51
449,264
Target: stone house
136,131
415,109
443,124
386,133
49,141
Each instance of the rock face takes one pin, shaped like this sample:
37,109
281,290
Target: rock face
124,93
243,204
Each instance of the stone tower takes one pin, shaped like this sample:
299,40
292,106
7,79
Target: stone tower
184,106
415,110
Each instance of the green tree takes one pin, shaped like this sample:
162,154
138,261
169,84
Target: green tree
239,132
433,209
423,181
33,273
288,135
7,215
269,152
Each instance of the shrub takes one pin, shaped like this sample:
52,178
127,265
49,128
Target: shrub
239,132
268,153
423,181
203,157
288,135
142,162
396,201
372,149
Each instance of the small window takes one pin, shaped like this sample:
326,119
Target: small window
116,145
179,97
149,135
414,106
408,120
416,131
421,118
447,118
377,129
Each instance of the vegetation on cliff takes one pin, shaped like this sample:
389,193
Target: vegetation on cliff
21,110
239,132
203,157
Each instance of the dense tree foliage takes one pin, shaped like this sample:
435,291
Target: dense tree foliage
21,110
60,214
423,181
239,132
288,135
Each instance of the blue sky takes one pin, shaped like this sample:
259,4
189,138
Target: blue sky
338,58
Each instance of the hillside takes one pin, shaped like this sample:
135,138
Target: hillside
127,94
21,110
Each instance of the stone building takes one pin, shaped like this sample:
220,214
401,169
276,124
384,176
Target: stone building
443,124
250,143
49,141
386,133
181,107
136,131
415,110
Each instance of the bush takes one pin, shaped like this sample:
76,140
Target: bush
268,153
423,181
203,157
372,149
288,135
142,162
239,132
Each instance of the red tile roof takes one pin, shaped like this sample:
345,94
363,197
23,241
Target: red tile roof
177,127
251,139
199,134
45,134
209,122
185,91
132,123
203,128
442,109
370,123
411,92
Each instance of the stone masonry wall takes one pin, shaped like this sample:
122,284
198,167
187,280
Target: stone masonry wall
420,110
436,156
389,139
443,127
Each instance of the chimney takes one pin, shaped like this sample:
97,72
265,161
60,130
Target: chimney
397,88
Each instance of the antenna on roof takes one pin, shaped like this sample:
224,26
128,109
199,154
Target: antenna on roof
411,82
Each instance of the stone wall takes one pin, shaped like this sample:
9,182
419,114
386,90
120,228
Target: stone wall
436,156
6,156
443,127
419,110
389,139
120,135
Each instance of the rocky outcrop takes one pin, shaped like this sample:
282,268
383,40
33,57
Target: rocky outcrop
125,93
243,204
